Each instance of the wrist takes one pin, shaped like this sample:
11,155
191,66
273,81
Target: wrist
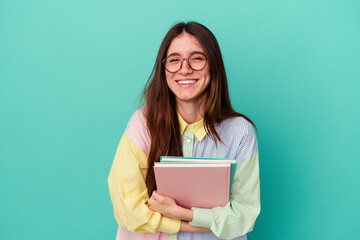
185,214
186,227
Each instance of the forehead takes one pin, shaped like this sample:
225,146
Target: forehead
184,45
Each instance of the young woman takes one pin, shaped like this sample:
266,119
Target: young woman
187,113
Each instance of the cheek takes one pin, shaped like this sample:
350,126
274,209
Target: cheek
169,81
206,73
207,76
168,77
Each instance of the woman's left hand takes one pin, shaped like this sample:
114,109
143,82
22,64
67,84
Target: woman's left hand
168,207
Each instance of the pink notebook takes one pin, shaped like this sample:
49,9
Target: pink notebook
203,185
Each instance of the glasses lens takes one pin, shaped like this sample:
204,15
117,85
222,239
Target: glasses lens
197,61
173,63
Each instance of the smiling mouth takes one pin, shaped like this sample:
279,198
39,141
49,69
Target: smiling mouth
186,82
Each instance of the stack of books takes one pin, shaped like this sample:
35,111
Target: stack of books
195,182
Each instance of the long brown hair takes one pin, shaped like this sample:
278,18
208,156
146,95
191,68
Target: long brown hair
161,113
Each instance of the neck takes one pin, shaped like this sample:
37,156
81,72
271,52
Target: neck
191,112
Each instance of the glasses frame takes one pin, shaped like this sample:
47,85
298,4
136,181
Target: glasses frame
187,60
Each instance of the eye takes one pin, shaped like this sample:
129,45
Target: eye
197,57
173,60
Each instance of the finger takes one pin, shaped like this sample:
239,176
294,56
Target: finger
155,195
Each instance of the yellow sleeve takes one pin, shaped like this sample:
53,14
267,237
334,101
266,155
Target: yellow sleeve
129,195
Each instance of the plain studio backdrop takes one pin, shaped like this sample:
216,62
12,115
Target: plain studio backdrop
71,73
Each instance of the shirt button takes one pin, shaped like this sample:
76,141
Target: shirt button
188,141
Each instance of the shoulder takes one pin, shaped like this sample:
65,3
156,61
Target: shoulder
137,130
137,119
240,134
237,126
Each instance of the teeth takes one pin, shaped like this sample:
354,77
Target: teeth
186,81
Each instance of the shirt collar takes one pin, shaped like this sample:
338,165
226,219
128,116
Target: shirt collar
197,128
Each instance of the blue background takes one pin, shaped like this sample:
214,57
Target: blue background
71,73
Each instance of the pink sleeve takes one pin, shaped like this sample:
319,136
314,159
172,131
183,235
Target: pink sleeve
138,131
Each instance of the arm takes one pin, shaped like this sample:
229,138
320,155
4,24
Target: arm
186,227
235,219
239,215
129,193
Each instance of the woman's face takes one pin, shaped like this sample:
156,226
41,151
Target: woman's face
187,84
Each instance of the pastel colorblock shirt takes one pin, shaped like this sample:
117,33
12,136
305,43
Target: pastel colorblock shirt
129,193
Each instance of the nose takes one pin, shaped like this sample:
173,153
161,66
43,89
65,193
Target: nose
185,68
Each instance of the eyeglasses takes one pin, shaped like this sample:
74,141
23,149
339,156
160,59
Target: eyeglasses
196,61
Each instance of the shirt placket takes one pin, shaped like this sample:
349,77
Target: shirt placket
188,144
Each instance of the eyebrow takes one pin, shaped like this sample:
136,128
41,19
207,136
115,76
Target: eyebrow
191,53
